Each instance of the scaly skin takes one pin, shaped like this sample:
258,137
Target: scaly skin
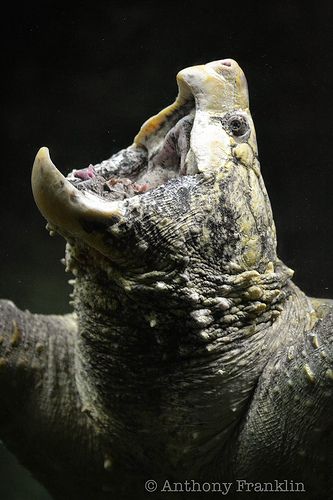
191,354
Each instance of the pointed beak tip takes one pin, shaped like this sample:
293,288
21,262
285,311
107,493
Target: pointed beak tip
43,176
43,152
43,169
42,155
40,158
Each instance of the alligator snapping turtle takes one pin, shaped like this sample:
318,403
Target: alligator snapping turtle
190,354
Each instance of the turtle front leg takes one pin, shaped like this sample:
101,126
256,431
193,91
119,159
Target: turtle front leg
42,419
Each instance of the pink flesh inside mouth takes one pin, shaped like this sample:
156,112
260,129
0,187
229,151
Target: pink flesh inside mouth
138,169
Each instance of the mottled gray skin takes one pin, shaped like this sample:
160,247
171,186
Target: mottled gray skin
190,353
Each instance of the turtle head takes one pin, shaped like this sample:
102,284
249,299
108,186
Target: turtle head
188,190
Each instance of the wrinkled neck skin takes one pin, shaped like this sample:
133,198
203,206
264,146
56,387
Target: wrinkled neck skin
167,361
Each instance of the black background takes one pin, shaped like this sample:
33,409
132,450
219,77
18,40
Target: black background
82,79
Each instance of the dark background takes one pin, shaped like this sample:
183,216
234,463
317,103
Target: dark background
81,80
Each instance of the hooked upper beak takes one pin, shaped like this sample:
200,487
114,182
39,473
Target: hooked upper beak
69,211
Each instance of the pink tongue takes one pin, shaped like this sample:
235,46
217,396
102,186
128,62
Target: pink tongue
85,173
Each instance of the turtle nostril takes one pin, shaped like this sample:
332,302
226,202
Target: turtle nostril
226,62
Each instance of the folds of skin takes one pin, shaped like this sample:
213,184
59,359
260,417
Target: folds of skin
190,352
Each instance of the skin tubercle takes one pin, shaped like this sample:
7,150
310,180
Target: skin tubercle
188,343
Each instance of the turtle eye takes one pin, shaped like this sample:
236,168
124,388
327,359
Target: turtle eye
237,125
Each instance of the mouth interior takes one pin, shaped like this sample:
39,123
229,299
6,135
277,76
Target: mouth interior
142,167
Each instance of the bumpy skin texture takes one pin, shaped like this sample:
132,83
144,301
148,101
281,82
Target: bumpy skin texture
190,353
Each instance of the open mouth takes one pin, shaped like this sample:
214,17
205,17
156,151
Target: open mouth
155,157
184,139
90,200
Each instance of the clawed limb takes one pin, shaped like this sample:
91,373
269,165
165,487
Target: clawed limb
42,419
